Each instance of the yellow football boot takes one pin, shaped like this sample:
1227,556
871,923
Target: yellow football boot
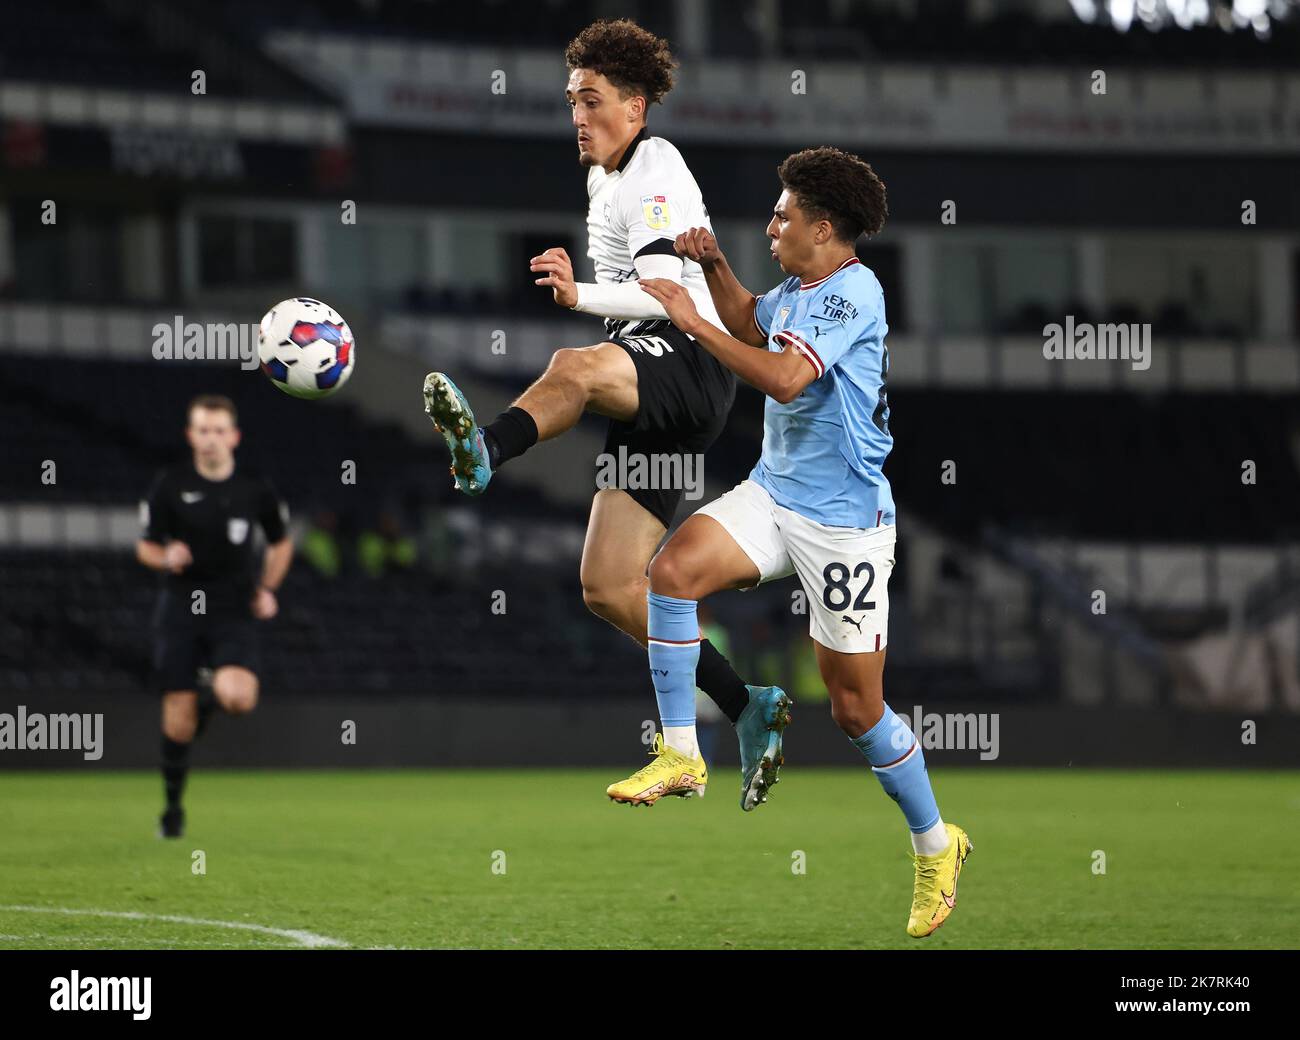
671,772
935,891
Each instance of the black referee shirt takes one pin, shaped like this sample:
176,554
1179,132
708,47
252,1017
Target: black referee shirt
215,518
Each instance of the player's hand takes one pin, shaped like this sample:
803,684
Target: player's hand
176,557
698,244
265,605
557,270
676,301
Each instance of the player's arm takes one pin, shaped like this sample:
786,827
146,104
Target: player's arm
643,212
735,304
173,557
157,549
624,300
273,516
781,375
275,566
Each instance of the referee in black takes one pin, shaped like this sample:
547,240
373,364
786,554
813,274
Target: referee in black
199,521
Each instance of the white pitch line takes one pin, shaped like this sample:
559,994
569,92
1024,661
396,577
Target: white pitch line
303,938
61,938
68,943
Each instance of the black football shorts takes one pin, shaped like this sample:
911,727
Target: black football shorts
685,394
183,643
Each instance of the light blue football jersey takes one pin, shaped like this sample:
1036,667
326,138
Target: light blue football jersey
824,452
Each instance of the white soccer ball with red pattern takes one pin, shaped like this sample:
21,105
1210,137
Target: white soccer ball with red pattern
306,348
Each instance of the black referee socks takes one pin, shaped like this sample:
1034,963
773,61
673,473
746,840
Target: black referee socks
175,764
510,434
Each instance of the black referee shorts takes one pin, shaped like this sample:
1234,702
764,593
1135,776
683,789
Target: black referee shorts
684,394
183,643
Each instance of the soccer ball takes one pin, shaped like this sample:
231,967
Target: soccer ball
305,348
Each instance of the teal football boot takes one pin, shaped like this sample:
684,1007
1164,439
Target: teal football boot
759,729
453,418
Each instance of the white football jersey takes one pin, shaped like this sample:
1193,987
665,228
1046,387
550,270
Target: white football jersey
641,208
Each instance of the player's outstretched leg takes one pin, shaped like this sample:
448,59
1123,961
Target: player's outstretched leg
759,729
454,419
600,379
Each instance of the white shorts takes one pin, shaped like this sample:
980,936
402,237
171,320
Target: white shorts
844,570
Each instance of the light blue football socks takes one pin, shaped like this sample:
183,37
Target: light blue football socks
896,758
673,637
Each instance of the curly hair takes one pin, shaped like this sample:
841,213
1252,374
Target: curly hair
833,185
631,58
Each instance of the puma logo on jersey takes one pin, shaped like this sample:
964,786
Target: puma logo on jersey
855,624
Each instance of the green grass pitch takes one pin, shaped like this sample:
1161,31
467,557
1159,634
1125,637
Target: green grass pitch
406,859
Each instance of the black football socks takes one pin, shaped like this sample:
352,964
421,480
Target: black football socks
715,676
510,434
207,708
175,766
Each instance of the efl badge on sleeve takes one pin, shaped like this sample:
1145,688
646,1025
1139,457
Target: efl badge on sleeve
655,208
